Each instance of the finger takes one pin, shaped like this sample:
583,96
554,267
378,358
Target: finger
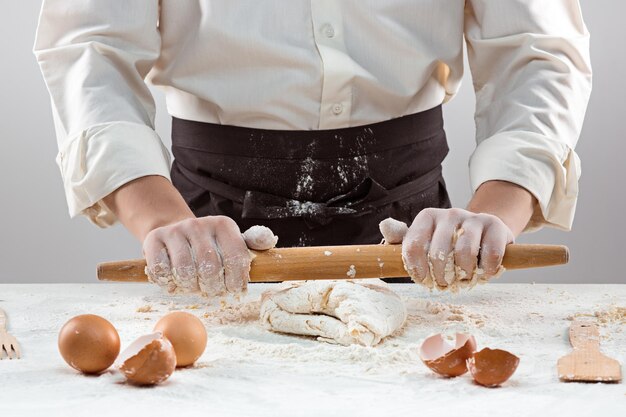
467,247
441,251
16,348
183,264
415,246
494,240
208,263
158,266
10,353
235,255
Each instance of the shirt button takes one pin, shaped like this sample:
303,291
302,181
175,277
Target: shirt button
338,108
328,31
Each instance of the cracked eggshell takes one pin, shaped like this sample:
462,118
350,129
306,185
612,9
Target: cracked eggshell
149,360
89,343
447,360
187,334
492,367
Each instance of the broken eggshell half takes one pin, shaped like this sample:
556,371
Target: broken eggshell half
149,360
492,367
445,359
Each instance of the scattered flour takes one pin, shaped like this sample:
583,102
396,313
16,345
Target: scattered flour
351,271
242,357
300,208
614,314
305,178
234,314
144,309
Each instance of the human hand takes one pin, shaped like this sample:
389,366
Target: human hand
450,247
206,254
184,253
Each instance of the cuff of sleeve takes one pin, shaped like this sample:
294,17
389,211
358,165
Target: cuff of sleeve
546,168
102,158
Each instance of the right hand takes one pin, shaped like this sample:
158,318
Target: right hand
206,254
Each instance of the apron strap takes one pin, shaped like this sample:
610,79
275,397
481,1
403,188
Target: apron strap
365,198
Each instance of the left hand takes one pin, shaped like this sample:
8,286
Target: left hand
432,238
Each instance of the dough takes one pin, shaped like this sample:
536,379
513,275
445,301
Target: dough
259,238
393,230
342,312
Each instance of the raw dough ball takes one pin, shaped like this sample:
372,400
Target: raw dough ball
393,230
260,238
343,312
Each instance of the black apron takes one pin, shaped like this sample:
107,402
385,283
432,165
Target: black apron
313,188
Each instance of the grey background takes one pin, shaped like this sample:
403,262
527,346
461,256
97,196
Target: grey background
39,242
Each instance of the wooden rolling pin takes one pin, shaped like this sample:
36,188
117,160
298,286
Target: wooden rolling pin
340,262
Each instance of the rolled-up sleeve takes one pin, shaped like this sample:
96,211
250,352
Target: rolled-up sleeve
532,77
94,56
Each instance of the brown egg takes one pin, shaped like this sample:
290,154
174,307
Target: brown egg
187,334
492,367
89,343
445,359
149,360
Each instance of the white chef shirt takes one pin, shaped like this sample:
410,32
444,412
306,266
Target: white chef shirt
315,64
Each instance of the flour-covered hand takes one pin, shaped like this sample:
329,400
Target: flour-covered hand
206,254
447,247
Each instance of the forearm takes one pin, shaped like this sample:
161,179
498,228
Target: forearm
147,203
513,204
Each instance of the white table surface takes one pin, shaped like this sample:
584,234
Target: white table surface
248,371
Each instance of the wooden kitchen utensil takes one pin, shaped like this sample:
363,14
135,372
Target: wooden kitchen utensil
586,363
8,344
340,262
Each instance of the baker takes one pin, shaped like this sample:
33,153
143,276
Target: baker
317,119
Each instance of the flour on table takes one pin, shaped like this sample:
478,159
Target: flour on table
614,314
341,312
242,356
234,313
144,309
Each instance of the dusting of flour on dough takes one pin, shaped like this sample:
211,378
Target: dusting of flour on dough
343,312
